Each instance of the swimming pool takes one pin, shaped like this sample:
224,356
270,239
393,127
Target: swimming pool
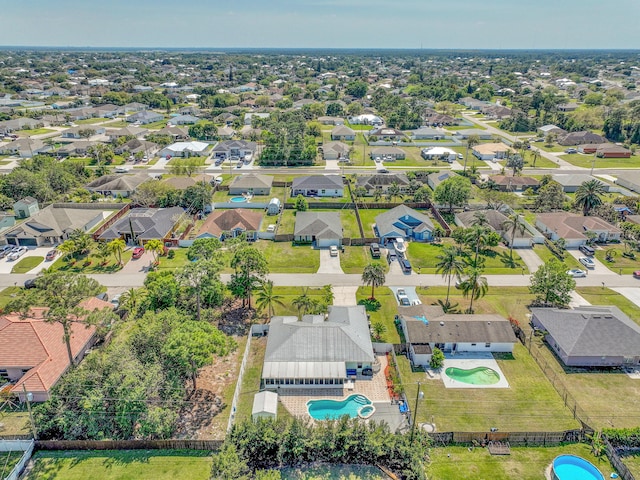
333,409
571,467
238,199
474,376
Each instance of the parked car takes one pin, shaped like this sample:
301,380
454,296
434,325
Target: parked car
587,262
30,283
587,250
571,150
375,250
103,296
405,264
4,251
333,251
577,273
403,299
51,254
460,156
137,252
17,253
115,301
121,170
636,274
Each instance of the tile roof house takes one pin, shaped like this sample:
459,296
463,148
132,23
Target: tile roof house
53,224
381,183
33,354
427,326
318,186
323,228
491,151
572,228
403,222
318,352
231,223
343,133
496,220
255,183
142,224
117,184
594,336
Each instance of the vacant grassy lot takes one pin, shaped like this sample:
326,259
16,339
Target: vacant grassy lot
26,264
620,262
586,161
606,296
423,258
283,257
354,259
523,463
368,219
91,121
121,465
34,131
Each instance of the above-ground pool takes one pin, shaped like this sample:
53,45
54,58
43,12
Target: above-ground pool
334,409
570,467
238,199
474,376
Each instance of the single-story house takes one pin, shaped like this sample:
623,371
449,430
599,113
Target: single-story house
572,228
142,224
117,184
318,186
426,133
567,107
323,228
183,120
496,220
593,336
222,224
491,151
436,178
335,151
509,183
343,133
234,148
438,153
255,183
328,120
388,153
605,150
366,119
387,134
481,134
136,145
26,207
403,222
25,147
496,111
474,103
177,133
381,183
130,131
185,149
80,148
248,117
144,117
630,180
35,354
547,129
226,132
21,123
53,224
426,327
580,138
571,181
318,352
265,405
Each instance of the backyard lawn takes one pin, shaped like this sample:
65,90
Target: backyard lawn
27,264
121,465
287,222
354,259
368,219
632,461
349,222
523,463
341,472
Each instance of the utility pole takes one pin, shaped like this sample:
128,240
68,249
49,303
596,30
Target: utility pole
28,397
419,395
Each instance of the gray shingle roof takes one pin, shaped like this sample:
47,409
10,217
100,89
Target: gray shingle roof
53,221
252,180
319,224
118,182
146,223
318,182
400,219
591,331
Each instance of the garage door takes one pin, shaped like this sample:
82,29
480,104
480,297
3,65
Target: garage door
28,242
327,242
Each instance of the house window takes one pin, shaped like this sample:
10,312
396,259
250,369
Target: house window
487,345
359,365
322,191
473,344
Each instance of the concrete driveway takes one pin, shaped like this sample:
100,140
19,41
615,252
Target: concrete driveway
344,295
530,258
329,264
140,265
600,267
411,294
6,265
631,293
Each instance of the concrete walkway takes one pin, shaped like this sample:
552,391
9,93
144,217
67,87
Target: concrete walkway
530,258
344,295
578,301
630,293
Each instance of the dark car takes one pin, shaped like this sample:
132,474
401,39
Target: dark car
103,296
587,250
406,265
375,250
4,251
31,283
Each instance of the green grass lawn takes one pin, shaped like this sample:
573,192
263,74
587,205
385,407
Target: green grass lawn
178,160
34,131
179,260
620,263
423,258
15,423
606,296
90,263
386,313
349,224
368,219
320,472
586,161
287,222
121,465
524,463
354,259
633,463
283,257
541,162
251,378
26,264
7,295
545,255
91,121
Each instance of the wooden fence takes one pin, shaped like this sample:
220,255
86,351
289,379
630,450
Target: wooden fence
111,221
514,438
616,461
175,444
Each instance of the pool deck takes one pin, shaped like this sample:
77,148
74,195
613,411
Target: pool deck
467,361
374,388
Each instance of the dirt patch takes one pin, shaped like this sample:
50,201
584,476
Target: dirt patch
206,413
235,319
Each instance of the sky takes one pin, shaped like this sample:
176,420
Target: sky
449,24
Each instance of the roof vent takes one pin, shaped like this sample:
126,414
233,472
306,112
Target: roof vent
442,324
488,323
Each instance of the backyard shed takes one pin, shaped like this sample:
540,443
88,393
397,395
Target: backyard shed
274,206
265,405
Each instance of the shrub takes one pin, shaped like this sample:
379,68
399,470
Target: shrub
437,359
370,304
171,254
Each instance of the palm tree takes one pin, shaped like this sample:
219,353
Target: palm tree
373,274
477,236
379,329
535,154
588,195
472,141
475,285
514,224
132,299
303,302
266,297
156,247
67,248
327,295
102,252
450,265
394,192
116,247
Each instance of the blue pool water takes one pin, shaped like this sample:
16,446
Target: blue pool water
570,467
238,199
334,409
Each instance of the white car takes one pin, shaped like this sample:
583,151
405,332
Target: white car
333,251
577,273
115,301
403,299
121,170
17,253
587,262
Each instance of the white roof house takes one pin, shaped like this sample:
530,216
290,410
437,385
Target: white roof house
183,149
265,405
